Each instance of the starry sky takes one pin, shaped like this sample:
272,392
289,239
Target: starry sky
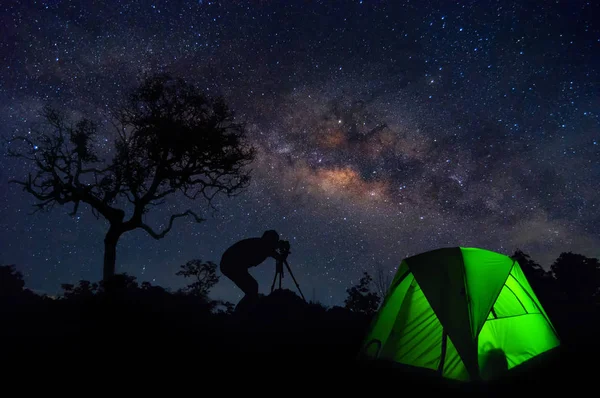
383,129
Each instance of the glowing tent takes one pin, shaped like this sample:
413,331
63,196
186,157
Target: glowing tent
458,311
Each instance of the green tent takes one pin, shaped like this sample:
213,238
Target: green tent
460,312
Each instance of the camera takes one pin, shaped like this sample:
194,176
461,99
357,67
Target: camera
284,247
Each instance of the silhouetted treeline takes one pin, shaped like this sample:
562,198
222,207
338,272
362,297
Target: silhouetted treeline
122,318
569,291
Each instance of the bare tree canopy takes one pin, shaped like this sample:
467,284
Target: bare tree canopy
383,279
170,138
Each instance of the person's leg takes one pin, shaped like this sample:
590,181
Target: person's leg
225,269
247,283
249,286
242,279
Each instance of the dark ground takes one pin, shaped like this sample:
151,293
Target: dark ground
285,344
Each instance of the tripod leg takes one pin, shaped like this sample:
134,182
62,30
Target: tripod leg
274,279
298,286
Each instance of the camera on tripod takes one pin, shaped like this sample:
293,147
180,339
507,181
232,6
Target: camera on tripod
284,248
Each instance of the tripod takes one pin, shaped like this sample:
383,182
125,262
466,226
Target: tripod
279,272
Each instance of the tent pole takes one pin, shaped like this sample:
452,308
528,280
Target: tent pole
443,354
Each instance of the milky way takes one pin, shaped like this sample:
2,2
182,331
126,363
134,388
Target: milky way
383,129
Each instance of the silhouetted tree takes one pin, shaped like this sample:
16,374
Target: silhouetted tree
122,284
227,307
542,281
204,275
531,269
170,138
360,297
11,281
83,290
149,287
382,281
118,283
578,276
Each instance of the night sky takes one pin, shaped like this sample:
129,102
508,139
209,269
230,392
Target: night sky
383,129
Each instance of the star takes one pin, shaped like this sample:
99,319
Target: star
381,129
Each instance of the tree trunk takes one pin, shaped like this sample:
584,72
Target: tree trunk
110,252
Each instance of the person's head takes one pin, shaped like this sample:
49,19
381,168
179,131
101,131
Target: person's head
271,237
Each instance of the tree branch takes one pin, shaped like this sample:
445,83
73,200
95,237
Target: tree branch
170,138
162,234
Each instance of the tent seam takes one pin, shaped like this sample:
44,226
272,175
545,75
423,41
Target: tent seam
517,297
516,316
466,289
546,317
469,312
498,295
